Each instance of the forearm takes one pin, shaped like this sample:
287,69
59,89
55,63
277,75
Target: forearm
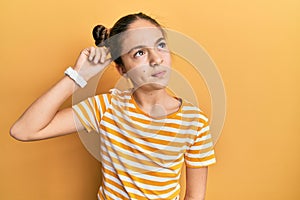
42,119
188,198
191,198
199,197
43,110
196,179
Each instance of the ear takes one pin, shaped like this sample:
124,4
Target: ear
121,69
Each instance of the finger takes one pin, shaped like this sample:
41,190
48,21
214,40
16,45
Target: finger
107,61
107,53
103,55
97,55
101,66
92,53
86,52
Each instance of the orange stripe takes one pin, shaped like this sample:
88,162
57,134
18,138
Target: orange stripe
141,180
200,159
153,160
87,127
97,111
155,174
148,139
133,141
200,150
152,139
143,147
146,191
121,196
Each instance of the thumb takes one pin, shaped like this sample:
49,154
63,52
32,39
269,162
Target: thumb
100,66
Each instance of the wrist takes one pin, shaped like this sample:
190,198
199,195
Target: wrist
74,75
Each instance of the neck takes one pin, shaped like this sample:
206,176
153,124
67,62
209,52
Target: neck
149,98
153,102
156,103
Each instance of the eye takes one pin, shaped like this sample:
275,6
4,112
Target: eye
162,45
139,53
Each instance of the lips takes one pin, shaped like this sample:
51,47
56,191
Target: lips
159,74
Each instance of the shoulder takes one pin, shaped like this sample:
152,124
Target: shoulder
120,95
189,110
112,94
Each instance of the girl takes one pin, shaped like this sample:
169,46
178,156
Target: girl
146,134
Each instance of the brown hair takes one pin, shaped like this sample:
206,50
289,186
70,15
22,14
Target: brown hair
102,35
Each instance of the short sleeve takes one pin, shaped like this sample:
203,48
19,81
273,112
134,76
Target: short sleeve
91,110
201,152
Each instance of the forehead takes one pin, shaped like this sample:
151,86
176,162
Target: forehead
140,33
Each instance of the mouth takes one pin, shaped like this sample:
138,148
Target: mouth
159,74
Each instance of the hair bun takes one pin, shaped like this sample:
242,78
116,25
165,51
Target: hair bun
100,34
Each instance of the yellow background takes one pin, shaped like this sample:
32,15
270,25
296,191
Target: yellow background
255,45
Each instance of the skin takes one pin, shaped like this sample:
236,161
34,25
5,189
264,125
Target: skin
146,61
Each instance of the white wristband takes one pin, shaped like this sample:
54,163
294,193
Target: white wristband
76,77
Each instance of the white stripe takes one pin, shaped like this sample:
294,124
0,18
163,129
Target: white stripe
93,114
150,196
114,179
155,134
191,108
116,147
107,185
142,185
97,99
204,129
144,117
122,104
127,94
81,116
195,115
90,115
200,155
106,101
146,134
139,156
117,181
203,146
203,138
201,164
125,97
143,142
143,155
116,92
149,187
129,163
166,120
135,173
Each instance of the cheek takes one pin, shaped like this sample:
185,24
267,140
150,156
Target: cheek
131,64
167,59
138,73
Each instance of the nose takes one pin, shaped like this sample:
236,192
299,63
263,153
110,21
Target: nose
155,58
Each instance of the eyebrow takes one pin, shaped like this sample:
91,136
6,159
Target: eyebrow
143,46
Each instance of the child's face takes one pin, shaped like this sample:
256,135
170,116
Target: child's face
145,56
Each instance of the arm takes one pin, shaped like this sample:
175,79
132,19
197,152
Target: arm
43,119
195,183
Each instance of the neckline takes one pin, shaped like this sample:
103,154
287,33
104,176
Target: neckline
170,115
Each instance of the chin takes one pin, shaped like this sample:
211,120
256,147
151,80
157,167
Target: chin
152,86
157,86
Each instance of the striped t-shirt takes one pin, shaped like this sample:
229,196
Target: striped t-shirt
142,156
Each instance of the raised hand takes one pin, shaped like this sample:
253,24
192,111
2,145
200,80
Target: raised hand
91,61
